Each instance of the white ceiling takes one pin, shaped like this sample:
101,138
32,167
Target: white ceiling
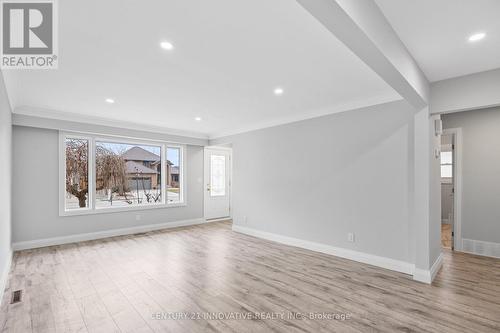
229,56
436,34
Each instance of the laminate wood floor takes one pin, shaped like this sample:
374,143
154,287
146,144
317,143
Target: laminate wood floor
446,239
139,283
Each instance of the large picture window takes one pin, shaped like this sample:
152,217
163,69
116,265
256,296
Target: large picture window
105,174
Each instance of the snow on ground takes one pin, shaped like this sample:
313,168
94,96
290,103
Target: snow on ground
102,201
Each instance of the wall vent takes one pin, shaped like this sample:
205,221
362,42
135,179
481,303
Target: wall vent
16,297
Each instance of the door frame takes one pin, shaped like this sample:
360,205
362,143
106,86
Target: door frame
457,185
230,185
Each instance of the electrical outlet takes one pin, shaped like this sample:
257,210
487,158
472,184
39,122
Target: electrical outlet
138,217
350,237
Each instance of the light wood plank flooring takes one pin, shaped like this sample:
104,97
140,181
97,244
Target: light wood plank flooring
120,284
446,238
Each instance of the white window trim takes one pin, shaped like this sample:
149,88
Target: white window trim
92,209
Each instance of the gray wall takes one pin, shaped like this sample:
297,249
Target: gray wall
469,92
321,178
5,181
480,172
35,192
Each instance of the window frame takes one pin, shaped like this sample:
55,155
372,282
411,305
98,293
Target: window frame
446,180
92,140
182,184
62,174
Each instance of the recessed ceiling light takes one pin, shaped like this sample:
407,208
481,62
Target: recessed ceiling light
167,45
476,37
197,118
110,100
278,91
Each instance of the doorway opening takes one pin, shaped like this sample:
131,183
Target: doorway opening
217,183
447,191
451,189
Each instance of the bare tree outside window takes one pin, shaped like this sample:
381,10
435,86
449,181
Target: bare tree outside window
77,166
110,173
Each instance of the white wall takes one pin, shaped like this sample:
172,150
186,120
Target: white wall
35,192
5,185
319,179
480,172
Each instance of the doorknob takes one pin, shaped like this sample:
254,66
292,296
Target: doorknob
208,187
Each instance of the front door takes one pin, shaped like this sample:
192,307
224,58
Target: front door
217,183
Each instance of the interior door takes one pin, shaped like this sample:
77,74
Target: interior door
217,183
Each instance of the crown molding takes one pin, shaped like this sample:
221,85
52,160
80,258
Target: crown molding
93,120
79,118
377,100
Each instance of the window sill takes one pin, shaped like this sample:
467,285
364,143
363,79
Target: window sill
110,210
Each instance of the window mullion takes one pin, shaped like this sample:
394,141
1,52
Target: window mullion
92,173
163,174
181,174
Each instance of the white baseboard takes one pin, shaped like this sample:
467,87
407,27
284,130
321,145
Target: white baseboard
32,244
4,275
387,263
482,248
427,276
219,219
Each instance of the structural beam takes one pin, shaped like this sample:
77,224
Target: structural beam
362,27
